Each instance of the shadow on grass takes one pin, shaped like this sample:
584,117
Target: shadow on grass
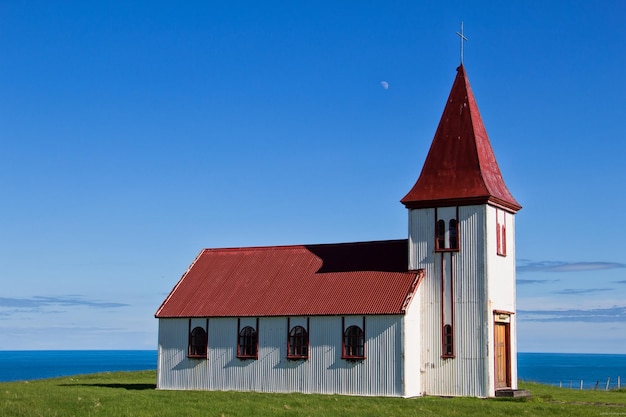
129,387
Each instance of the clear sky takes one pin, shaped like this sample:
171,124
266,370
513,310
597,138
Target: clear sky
134,134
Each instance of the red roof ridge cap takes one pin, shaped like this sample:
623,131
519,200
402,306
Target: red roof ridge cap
419,276
252,248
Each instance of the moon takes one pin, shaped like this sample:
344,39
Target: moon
385,84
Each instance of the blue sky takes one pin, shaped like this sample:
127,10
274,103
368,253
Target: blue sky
133,134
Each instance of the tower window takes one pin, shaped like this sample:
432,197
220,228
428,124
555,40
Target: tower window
453,232
441,234
501,232
448,351
447,229
298,343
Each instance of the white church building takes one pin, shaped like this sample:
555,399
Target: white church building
433,314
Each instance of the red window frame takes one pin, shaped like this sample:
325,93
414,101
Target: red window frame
453,231
198,342
440,231
448,342
298,343
501,234
353,342
248,341
452,243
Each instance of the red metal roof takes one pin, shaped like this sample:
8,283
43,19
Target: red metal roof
460,167
304,280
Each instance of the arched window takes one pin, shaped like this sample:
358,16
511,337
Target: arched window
353,343
448,350
298,343
247,347
198,342
441,234
447,229
454,242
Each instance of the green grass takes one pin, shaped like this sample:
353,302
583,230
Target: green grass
133,394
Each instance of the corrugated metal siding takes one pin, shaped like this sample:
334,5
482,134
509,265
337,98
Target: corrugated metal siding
412,340
511,244
465,374
502,284
324,372
501,269
421,235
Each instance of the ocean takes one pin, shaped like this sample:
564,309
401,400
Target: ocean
19,365
565,369
548,368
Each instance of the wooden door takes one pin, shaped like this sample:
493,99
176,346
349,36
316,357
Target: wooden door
503,360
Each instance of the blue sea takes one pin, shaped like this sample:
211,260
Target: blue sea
19,365
563,369
569,369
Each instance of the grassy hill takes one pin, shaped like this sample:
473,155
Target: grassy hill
133,394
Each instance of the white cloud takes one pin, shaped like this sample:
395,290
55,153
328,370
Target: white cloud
526,265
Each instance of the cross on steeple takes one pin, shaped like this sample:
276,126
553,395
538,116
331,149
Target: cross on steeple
463,39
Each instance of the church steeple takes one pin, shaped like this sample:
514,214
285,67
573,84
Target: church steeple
460,167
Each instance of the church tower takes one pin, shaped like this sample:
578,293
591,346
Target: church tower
462,234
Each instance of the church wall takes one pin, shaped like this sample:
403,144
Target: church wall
412,348
501,269
421,235
466,372
381,373
471,298
502,281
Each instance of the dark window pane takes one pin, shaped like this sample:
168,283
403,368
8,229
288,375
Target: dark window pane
298,342
354,342
198,342
247,342
447,337
441,234
454,243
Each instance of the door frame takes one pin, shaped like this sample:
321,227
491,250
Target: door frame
502,319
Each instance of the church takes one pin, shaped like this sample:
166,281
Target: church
432,314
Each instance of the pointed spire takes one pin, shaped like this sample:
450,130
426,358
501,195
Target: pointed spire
460,167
